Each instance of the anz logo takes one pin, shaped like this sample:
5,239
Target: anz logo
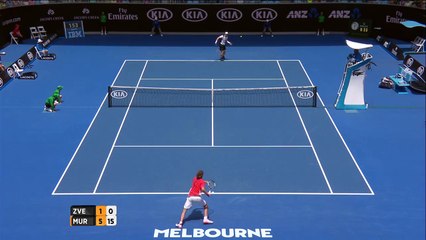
162,14
305,94
118,94
345,14
229,15
298,14
263,14
194,15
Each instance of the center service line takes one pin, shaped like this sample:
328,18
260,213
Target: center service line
212,109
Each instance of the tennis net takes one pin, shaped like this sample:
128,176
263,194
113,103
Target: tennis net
125,96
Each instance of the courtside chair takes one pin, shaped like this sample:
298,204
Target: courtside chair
34,33
418,44
41,31
13,39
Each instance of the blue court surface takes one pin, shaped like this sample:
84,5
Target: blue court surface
282,172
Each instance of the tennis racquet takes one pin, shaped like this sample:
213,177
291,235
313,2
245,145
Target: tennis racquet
211,184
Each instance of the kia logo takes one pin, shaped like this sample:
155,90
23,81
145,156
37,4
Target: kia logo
10,72
21,63
162,14
118,94
263,14
410,62
229,15
305,94
194,15
420,70
30,56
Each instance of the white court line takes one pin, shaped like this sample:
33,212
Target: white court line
306,131
213,146
209,79
213,60
235,146
212,110
219,193
119,130
87,131
338,132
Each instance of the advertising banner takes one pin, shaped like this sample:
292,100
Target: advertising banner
26,58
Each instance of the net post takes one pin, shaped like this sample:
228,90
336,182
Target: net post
315,96
109,96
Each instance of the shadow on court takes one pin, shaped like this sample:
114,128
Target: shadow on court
196,214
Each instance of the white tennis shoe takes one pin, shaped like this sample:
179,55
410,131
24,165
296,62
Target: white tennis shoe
207,221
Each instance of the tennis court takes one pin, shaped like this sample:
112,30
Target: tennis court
253,141
284,168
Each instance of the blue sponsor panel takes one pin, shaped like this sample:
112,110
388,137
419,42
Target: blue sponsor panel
74,29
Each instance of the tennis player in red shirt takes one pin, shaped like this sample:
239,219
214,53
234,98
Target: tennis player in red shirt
194,196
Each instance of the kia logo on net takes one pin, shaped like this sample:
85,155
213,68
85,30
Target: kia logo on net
305,94
194,15
229,15
118,94
263,14
162,14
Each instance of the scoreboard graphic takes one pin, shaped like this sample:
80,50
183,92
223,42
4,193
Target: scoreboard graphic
92,215
360,28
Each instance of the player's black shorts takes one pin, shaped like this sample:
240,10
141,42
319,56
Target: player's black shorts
222,47
48,105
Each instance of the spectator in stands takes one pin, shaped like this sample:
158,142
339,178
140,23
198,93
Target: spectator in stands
103,20
321,21
267,27
156,27
41,50
16,33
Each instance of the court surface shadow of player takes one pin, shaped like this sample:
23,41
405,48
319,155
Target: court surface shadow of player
197,214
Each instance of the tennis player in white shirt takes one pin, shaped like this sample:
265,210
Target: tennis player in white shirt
222,40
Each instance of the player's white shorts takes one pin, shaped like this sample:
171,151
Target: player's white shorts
194,199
